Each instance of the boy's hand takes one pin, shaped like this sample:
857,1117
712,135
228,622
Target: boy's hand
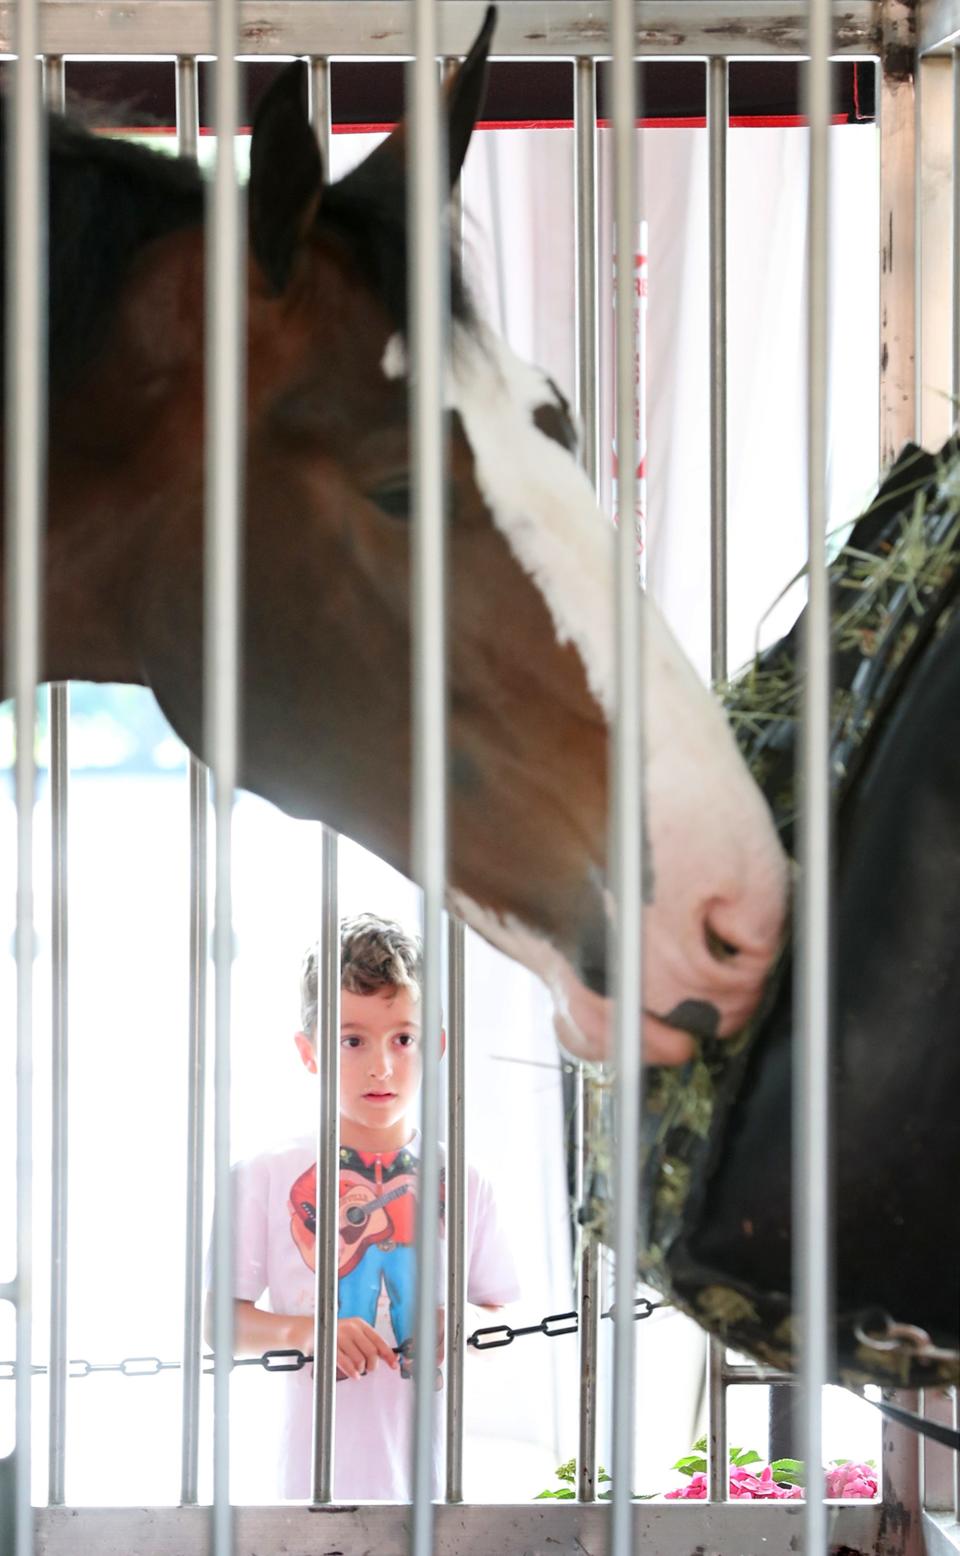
360,1348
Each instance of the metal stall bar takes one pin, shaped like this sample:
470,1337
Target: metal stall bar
54,82
54,92
717,1420
24,367
898,323
327,1043
938,1474
456,1152
955,253
188,136
448,70
718,118
327,1040
588,378
198,803
59,715
585,176
956,1458
811,1123
936,1459
564,29
224,410
456,1201
626,840
429,293
588,1296
934,220
320,109
751,1372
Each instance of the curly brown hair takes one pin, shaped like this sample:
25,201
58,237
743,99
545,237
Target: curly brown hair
375,954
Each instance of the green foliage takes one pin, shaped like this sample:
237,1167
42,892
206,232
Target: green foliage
567,1473
788,1472
695,1463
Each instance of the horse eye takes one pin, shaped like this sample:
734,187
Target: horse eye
393,500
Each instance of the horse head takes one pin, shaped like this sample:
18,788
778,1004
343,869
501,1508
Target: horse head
326,606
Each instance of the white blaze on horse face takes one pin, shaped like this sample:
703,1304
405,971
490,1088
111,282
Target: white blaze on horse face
715,860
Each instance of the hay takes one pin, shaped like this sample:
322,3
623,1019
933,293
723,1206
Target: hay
878,600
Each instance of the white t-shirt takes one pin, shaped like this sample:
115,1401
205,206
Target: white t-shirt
274,1203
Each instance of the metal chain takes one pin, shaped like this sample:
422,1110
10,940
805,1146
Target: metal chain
492,1338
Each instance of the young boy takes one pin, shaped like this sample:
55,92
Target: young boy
275,1219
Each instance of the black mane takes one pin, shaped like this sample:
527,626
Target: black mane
108,198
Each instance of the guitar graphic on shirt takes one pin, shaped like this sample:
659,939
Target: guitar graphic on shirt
364,1219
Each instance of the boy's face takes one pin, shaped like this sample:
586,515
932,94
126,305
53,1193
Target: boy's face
379,1056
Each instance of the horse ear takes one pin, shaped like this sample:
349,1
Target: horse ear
465,94
286,175
385,169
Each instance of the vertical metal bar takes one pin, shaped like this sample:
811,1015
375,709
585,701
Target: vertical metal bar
199,797
934,214
25,449
456,1202
955,323
898,322
716,1421
327,1041
188,107
585,183
54,82
626,841
588,1296
588,378
429,311
320,106
718,114
448,71
936,1460
456,1159
812,1198
956,1457
900,1472
188,139
783,1428
224,403
54,92
59,719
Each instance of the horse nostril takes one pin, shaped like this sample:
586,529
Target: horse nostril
593,975
721,950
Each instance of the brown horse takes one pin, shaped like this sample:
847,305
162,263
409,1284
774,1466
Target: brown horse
326,699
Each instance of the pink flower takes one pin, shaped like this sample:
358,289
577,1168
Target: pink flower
695,1488
743,1487
762,1487
841,1480
851,1480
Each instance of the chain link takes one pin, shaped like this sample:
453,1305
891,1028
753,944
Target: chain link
493,1338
